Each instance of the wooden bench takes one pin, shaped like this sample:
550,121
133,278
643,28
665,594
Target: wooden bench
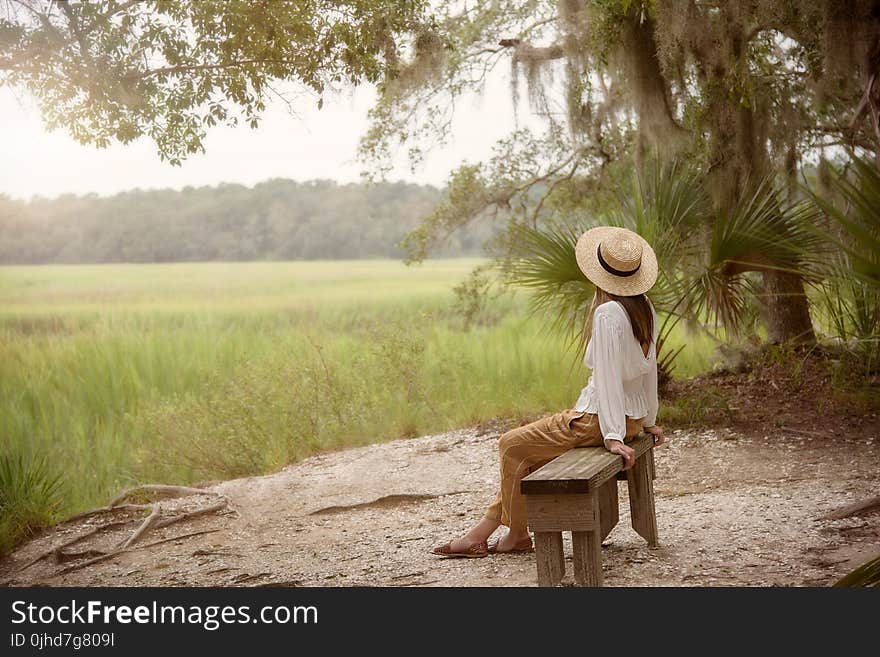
577,492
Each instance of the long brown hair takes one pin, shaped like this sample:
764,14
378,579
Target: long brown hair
637,308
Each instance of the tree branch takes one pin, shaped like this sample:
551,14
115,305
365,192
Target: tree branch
553,186
37,14
185,68
527,52
118,9
73,21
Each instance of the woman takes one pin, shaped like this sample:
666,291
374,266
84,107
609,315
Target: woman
618,402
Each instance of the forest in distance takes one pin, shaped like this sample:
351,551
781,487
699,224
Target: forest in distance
278,219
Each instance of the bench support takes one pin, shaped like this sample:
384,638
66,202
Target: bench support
587,558
608,507
551,561
586,553
577,492
641,498
550,515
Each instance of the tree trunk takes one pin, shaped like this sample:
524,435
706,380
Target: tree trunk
789,317
787,313
785,310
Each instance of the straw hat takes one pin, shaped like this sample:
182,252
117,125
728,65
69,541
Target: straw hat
617,260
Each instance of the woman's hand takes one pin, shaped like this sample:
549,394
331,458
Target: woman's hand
629,456
657,432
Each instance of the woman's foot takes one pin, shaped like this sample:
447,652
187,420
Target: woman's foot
471,544
463,547
511,544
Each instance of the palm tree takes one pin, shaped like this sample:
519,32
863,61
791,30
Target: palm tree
706,258
765,231
858,222
848,293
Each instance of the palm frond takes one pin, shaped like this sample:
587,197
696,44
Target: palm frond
721,297
859,221
666,201
764,231
669,206
868,574
544,263
849,304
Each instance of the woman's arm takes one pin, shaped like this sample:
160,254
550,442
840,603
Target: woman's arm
649,384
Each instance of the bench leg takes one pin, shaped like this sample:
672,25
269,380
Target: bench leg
587,558
641,498
548,554
587,549
608,507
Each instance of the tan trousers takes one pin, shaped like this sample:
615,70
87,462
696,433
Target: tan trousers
528,447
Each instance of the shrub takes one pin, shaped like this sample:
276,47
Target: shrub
30,498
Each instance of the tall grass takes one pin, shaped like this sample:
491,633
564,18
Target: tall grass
29,497
123,374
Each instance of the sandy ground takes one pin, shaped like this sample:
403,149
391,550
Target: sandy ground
732,510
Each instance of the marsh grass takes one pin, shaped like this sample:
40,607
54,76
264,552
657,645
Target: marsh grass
121,374
30,497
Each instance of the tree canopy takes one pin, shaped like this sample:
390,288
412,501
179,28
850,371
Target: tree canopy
170,69
742,86
746,89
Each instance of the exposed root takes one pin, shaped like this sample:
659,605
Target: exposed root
106,509
214,508
383,502
154,520
179,537
104,556
854,509
58,553
162,490
144,527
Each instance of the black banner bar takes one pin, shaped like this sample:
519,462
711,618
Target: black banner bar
162,621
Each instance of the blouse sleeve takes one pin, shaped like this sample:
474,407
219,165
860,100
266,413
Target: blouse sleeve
607,362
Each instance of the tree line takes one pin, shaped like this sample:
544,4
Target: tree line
274,220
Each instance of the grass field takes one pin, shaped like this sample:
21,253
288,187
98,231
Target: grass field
117,374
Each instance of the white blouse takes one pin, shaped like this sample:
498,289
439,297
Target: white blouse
624,380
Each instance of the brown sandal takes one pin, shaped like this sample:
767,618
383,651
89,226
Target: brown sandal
473,551
521,548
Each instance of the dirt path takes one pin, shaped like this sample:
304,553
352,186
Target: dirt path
732,510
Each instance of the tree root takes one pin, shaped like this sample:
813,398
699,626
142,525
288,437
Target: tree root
853,509
144,527
104,556
165,491
106,509
58,552
154,520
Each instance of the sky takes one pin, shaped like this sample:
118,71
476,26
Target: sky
313,144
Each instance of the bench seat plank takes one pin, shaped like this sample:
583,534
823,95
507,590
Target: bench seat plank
580,470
